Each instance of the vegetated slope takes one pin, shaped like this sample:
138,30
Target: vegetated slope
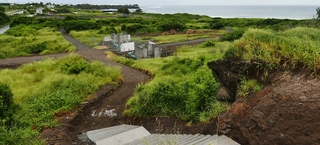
286,111
44,89
25,40
183,85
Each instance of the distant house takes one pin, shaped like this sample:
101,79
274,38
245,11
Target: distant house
39,10
110,10
50,6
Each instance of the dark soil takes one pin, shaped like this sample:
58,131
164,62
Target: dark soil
285,112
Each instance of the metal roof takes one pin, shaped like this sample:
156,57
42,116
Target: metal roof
135,135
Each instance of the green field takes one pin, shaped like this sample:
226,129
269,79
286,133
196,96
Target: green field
26,40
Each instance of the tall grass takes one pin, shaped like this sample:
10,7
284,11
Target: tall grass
90,37
291,48
182,86
43,89
25,40
163,39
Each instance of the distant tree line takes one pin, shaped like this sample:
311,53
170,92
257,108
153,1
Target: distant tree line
4,19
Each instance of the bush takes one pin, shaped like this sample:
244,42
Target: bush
236,34
4,19
216,26
248,87
182,93
6,105
79,25
167,25
208,43
74,64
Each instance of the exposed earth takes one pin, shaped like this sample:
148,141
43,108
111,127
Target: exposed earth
286,111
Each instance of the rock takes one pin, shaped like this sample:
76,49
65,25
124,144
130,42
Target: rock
224,94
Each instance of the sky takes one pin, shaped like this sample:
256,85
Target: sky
177,2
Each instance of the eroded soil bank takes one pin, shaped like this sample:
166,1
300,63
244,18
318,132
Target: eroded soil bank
285,112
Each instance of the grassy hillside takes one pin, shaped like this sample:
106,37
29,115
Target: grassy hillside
182,86
43,89
24,40
291,48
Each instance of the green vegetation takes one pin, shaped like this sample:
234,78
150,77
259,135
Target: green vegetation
289,49
182,86
247,87
24,40
43,89
7,106
89,37
163,39
4,19
36,23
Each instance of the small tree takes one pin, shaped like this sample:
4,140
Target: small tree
138,10
6,104
2,9
124,10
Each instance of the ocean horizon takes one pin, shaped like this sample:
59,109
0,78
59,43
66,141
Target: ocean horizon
297,12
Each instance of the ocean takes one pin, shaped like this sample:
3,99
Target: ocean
224,11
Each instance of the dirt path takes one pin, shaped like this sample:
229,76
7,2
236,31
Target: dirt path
108,97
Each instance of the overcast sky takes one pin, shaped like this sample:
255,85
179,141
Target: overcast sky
177,2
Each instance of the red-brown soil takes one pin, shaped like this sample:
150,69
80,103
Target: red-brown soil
285,112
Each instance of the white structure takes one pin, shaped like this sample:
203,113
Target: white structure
138,135
39,11
125,47
121,38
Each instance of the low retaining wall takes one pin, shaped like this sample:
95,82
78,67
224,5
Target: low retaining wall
4,29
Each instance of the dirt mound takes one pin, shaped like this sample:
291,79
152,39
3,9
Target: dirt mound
171,32
286,111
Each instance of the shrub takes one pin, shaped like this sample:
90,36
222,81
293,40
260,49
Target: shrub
167,25
180,92
236,34
248,87
4,19
79,25
208,43
74,64
6,105
216,26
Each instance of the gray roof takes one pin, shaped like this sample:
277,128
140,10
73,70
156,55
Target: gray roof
137,135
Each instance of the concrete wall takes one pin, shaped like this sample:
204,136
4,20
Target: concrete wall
4,29
139,50
120,38
151,50
157,51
